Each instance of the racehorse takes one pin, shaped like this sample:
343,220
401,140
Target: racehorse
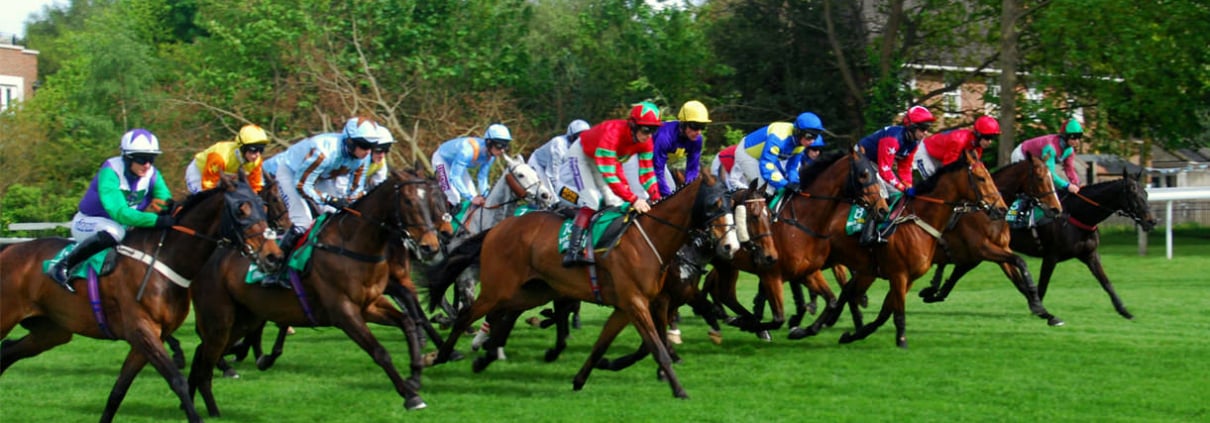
132,303
976,237
343,286
801,229
1074,234
525,267
519,183
960,187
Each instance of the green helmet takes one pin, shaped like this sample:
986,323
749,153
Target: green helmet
1073,127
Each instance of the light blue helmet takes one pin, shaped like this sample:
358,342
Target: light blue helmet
498,134
361,127
818,143
575,128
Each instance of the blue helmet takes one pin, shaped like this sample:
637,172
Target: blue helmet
498,134
818,143
806,125
361,127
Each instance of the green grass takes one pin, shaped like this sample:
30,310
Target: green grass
980,356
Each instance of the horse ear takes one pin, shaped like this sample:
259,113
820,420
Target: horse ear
752,185
242,177
520,158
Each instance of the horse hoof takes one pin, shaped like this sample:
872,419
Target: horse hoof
1126,314
534,321
265,362
414,403
480,364
901,343
455,356
1055,321
602,364
716,337
930,300
551,355
231,374
846,338
764,336
928,292
429,359
674,336
799,333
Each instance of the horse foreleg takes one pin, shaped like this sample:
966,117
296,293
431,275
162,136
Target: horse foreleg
888,308
207,355
641,319
43,335
148,347
1093,261
264,362
801,306
502,323
724,280
930,294
1048,269
383,313
355,327
563,310
617,320
1016,271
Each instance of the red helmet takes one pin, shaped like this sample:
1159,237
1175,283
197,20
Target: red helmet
987,126
918,114
645,114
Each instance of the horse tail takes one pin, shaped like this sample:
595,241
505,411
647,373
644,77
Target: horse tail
439,276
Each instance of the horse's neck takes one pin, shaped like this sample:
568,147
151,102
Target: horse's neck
936,214
500,194
1011,181
806,210
1088,213
677,210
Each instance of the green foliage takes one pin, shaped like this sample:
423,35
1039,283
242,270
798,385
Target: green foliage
22,203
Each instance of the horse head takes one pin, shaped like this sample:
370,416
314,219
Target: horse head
524,182
712,211
243,225
1042,187
754,223
276,212
981,188
1135,201
862,185
420,212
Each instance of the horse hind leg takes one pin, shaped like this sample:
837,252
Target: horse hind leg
930,293
43,335
145,348
266,361
355,328
178,356
1016,271
502,324
613,325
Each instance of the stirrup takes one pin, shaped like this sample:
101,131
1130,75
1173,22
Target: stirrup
60,274
573,259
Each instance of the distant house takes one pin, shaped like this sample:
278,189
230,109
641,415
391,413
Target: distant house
1184,167
18,71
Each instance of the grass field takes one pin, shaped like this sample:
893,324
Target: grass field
980,356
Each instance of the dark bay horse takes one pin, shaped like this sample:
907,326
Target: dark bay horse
521,258
1074,234
976,237
230,214
343,286
960,187
801,229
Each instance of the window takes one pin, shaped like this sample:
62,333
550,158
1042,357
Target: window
951,102
6,96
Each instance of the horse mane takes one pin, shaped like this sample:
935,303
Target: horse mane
1097,189
808,173
931,183
1011,166
678,190
199,197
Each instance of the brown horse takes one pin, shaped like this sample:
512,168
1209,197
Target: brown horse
976,237
229,214
524,269
961,187
802,226
400,289
343,286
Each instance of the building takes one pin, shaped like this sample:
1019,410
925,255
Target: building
18,71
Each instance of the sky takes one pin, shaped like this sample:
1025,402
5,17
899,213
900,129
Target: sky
14,12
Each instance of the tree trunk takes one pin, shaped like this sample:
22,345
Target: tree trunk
1009,56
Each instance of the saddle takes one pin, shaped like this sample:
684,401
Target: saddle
606,226
1025,212
102,263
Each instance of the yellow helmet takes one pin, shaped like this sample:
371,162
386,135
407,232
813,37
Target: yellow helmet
693,111
251,134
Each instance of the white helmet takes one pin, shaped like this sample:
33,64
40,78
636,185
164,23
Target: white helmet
140,141
577,126
361,127
384,136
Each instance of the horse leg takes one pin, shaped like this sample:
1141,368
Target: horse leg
355,327
1093,261
43,335
891,305
1016,271
563,308
208,355
641,319
502,323
1048,269
462,322
613,325
724,291
381,312
264,362
801,306
702,306
147,347
659,307
930,293
178,356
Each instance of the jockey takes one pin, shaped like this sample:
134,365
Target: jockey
1047,147
893,147
127,191
547,158
677,144
228,157
947,147
378,171
306,174
589,177
455,157
725,161
775,152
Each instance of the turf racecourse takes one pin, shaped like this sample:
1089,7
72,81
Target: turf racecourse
979,356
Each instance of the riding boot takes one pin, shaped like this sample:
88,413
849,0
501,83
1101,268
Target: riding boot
60,272
280,278
576,254
869,234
